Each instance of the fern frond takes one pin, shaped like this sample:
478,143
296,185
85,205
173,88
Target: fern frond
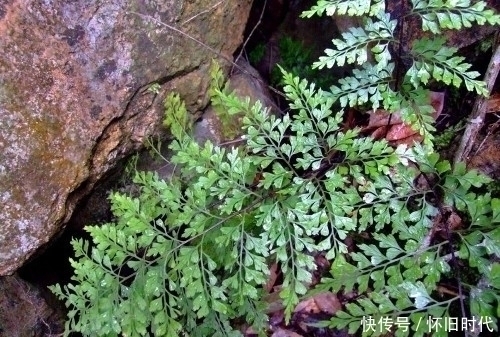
452,14
176,117
343,7
221,96
432,59
368,84
355,42
398,297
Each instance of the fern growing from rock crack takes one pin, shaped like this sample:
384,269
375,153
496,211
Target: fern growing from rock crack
190,255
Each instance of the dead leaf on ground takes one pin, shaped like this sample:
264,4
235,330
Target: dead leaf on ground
274,273
487,158
326,302
275,303
383,124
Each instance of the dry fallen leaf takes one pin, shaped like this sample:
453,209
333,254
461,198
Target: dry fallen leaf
326,302
381,124
274,272
493,103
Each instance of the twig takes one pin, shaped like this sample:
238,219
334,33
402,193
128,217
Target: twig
251,32
491,129
479,110
399,65
177,30
227,59
203,12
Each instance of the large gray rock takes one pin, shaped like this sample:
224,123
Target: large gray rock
73,98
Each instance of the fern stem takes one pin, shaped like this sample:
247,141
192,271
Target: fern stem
426,308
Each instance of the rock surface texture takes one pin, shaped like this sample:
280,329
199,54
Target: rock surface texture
24,312
74,99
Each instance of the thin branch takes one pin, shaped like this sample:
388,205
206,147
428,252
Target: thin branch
251,33
399,62
227,59
479,110
203,12
177,30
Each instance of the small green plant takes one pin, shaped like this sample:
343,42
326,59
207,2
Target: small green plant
154,88
296,59
191,255
443,140
257,53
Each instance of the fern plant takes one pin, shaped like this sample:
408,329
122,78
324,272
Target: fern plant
400,273
190,255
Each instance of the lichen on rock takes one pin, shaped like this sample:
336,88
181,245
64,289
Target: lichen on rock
73,99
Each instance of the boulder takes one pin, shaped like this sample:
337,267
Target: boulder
74,98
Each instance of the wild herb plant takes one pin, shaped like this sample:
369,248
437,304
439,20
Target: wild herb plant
190,254
257,53
296,59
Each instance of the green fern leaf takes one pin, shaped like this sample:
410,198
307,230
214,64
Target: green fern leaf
343,7
176,116
434,60
451,14
367,85
353,46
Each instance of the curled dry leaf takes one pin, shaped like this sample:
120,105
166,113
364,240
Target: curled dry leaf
381,124
326,302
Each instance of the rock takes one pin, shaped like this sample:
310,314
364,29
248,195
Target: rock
24,312
74,99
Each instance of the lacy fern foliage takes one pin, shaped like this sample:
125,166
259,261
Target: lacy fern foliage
192,253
